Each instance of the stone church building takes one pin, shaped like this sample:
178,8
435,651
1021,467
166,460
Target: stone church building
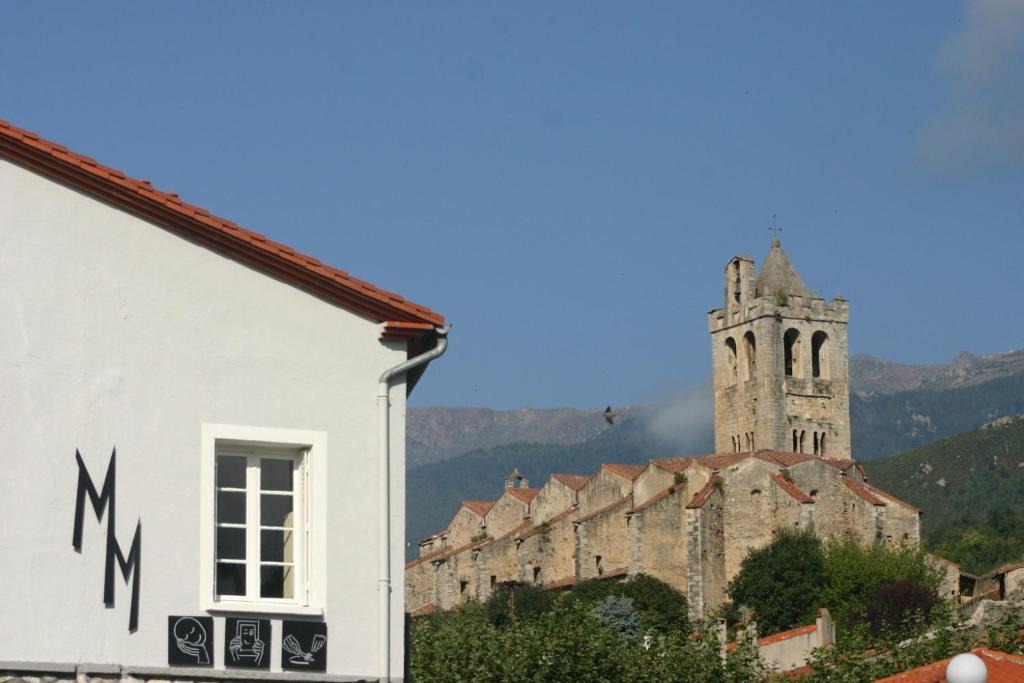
782,461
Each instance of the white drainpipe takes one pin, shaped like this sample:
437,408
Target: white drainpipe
384,494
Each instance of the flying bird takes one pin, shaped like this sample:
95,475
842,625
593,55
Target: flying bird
610,415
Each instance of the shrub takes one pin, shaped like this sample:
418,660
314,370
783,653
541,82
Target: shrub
522,600
661,607
782,582
619,613
854,571
892,603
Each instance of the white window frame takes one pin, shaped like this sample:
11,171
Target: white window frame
310,497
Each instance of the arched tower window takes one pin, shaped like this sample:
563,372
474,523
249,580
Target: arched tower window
730,353
736,282
819,354
750,355
821,444
791,344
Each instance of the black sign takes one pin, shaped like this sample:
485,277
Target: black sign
304,646
247,643
102,502
190,641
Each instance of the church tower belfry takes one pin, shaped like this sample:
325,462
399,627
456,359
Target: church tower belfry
779,362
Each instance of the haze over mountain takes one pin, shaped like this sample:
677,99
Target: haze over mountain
436,433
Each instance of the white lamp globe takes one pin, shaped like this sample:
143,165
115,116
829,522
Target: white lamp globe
966,668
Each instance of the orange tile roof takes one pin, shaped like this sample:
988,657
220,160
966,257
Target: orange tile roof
842,464
889,496
792,489
525,495
479,507
675,464
630,472
782,458
780,636
702,496
561,583
613,574
786,635
168,211
720,460
1002,668
573,481
864,493
423,611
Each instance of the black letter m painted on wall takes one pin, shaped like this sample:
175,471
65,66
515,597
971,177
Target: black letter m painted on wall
105,500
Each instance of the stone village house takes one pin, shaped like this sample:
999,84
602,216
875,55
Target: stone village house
783,461
196,428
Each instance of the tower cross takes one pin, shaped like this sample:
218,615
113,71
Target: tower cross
775,229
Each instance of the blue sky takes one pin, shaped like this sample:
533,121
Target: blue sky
566,181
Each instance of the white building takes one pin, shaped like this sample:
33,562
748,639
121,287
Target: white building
238,532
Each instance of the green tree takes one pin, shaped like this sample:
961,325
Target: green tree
782,582
853,571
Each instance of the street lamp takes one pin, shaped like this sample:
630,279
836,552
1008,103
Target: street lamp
966,668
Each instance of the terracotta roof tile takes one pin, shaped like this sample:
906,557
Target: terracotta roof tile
841,464
889,496
782,458
630,472
478,507
720,460
573,481
792,489
561,583
1002,668
864,493
525,495
613,574
423,611
167,210
786,635
780,636
675,464
702,496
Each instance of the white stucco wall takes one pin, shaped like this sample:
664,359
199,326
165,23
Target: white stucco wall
114,332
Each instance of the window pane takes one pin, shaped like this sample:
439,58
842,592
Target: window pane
275,510
277,582
230,579
276,546
231,471
275,475
231,507
230,543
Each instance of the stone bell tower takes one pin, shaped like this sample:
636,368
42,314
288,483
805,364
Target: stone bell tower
779,362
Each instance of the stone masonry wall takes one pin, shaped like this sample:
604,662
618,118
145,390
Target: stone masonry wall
602,541
464,527
507,514
603,489
553,498
658,539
